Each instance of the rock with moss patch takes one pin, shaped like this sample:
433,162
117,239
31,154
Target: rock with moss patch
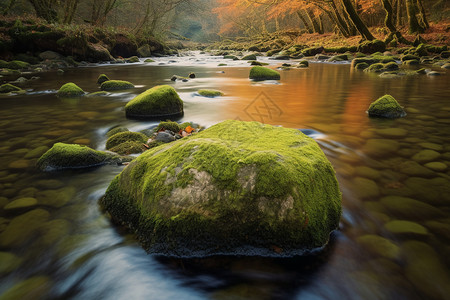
70,90
149,60
133,59
158,102
115,130
262,73
234,188
126,136
9,88
372,46
102,78
129,147
303,64
386,107
210,93
115,85
66,156
249,57
169,125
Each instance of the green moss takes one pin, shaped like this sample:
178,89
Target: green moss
149,60
409,57
98,94
115,130
303,64
336,49
115,85
14,65
231,57
386,107
376,68
263,73
372,46
125,136
102,78
272,52
234,184
411,62
249,57
168,125
361,66
392,66
222,65
70,90
133,59
159,101
370,60
312,51
210,93
8,88
65,156
127,148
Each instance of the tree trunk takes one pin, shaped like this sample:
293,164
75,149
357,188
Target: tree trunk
45,10
388,18
305,22
359,24
414,26
69,10
400,13
8,7
422,15
313,20
335,17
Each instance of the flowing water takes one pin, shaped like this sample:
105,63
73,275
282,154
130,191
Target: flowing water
394,236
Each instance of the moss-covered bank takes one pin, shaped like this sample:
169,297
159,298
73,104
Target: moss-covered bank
235,188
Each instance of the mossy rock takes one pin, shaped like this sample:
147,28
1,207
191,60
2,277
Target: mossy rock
231,57
263,73
125,136
372,46
409,57
312,51
375,68
159,101
115,130
8,88
115,85
386,107
98,94
303,64
392,66
249,57
14,65
149,60
361,66
127,148
222,65
102,78
66,156
169,125
237,188
370,60
70,90
133,59
210,93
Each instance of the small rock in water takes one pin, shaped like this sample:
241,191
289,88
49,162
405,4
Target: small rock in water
406,228
379,246
165,137
21,203
426,156
436,166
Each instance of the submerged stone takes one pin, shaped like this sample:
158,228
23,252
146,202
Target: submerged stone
8,88
21,203
263,73
436,166
386,107
70,90
425,156
158,102
237,188
36,287
406,228
65,156
9,262
380,246
410,209
381,147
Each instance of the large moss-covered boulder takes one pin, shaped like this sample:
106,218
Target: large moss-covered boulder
158,102
115,85
386,107
263,73
71,156
237,188
70,90
372,46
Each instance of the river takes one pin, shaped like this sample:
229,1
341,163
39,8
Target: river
394,236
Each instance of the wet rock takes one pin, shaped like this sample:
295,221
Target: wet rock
19,164
432,146
9,88
65,156
28,192
406,228
412,168
217,167
36,287
433,73
435,191
165,137
446,66
49,184
410,209
23,228
440,229
70,90
262,73
102,78
426,272
158,102
386,107
116,85
9,262
210,93
125,136
381,147
55,198
365,188
367,172
21,203
425,156
392,132
53,231
36,152
436,166
380,246
50,55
